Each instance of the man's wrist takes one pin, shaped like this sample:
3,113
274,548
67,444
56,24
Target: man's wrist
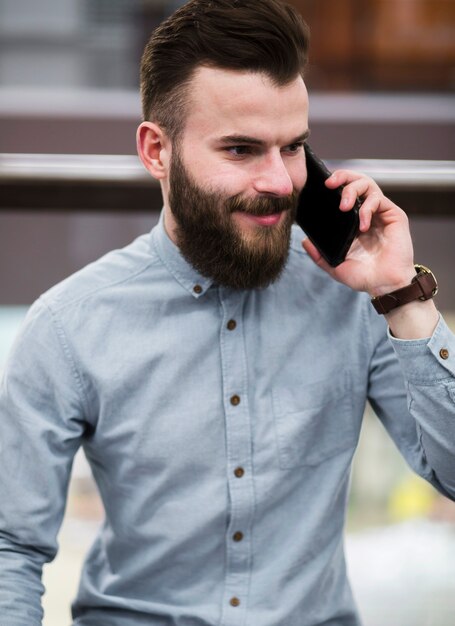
403,279
416,320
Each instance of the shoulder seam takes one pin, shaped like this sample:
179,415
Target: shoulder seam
62,339
55,307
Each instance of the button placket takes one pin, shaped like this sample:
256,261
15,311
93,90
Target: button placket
239,474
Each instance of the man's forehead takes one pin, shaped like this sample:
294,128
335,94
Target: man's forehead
225,86
231,102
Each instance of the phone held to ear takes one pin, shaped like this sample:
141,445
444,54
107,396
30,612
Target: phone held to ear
331,230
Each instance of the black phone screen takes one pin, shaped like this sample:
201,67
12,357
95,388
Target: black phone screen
318,213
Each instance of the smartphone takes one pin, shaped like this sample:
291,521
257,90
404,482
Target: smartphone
331,230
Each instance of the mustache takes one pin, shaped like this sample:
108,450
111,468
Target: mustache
263,205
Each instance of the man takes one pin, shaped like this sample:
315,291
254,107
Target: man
214,371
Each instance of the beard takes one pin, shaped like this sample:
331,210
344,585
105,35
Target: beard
212,242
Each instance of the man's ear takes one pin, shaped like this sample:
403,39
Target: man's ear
153,147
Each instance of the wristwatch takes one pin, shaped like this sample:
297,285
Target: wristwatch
423,287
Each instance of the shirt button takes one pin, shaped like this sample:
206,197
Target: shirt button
234,602
444,353
197,289
238,536
239,472
235,400
231,325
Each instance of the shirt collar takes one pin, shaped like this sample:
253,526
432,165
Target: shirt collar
183,272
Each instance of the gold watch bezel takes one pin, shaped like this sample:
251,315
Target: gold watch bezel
423,269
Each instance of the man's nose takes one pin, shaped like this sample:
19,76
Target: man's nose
273,177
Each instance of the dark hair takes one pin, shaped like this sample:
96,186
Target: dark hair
254,35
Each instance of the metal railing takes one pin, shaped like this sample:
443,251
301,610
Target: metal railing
120,183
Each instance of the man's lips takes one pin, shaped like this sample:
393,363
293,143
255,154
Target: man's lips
261,220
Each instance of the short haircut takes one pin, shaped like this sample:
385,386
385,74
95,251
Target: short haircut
265,36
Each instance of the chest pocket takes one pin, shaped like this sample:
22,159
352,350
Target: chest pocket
315,422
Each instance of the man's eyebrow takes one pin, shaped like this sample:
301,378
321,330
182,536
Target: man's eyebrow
303,137
240,139
254,141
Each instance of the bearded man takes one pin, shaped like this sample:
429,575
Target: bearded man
215,371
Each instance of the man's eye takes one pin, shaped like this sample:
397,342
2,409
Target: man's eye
239,150
294,147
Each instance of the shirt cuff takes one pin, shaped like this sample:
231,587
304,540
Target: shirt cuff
427,360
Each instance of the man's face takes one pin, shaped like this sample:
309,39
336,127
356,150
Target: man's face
235,175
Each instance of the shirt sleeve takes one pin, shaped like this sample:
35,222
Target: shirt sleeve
429,369
40,431
412,390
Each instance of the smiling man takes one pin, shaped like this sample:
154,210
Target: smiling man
216,371
241,186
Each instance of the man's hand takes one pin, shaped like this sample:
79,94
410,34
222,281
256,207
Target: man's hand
381,258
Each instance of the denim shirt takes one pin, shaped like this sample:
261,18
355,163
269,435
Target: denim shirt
220,427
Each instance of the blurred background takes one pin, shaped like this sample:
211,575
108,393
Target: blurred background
381,79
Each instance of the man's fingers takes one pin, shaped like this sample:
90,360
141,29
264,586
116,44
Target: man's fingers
369,207
359,186
346,177
355,186
311,249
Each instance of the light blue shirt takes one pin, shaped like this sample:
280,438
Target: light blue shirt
220,427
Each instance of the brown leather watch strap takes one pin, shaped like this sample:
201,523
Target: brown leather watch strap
423,287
